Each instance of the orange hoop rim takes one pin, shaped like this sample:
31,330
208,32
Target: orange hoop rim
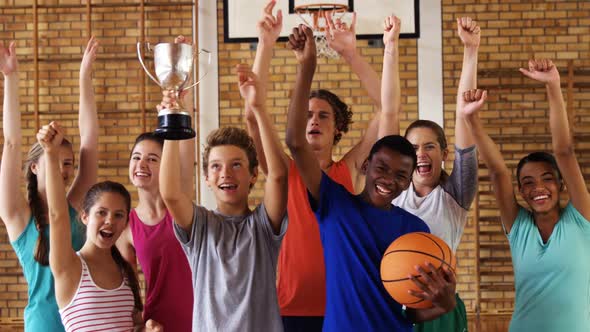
313,8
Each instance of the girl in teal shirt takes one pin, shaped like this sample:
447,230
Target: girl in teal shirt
25,218
550,245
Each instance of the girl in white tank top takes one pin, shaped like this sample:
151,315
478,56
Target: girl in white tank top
95,289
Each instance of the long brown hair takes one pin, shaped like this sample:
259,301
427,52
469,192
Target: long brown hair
90,199
36,204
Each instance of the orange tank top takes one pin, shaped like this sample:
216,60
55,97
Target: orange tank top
301,284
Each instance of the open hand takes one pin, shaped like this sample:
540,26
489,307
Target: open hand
89,56
436,285
249,86
542,70
270,26
341,37
468,31
8,62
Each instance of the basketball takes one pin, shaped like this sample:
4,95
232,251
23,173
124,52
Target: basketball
400,258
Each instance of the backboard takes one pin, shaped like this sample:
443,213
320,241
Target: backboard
240,17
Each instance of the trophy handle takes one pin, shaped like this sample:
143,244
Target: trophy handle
196,53
140,57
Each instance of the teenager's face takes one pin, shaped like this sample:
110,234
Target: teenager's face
106,220
66,167
144,165
430,156
539,186
321,124
388,173
228,175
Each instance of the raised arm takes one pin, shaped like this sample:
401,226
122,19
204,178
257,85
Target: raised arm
14,210
545,72
500,174
390,84
469,33
186,146
88,124
62,258
275,187
345,43
302,43
342,39
177,201
269,29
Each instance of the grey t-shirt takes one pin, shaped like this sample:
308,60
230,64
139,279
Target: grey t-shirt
446,208
233,262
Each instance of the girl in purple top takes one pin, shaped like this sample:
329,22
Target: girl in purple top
149,237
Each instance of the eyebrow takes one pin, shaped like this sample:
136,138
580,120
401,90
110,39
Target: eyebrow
532,177
106,208
149,154
234,159
425,143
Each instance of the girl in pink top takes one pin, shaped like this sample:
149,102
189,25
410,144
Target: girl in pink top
149,237
95,288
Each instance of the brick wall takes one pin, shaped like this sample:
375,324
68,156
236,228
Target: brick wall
517,110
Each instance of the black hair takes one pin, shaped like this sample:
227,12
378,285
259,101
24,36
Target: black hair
396,143
148,136
542,157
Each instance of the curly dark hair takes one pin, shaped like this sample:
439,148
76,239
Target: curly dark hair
342,112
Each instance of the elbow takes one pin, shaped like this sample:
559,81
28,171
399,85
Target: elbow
170,196
279,175
293,143
13,144
565,151
497,174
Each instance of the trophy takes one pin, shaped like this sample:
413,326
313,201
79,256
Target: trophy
174,66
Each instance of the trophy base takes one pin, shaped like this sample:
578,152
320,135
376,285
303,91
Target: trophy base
174,126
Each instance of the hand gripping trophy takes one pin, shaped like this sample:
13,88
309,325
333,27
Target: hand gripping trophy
174,66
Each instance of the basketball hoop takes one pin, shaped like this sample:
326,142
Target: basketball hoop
315,11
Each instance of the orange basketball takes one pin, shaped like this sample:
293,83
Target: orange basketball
400,258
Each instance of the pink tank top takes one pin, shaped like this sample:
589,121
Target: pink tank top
169,289
97,309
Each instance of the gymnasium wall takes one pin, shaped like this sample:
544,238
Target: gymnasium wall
516,114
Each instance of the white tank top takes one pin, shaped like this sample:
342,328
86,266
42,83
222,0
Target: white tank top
96,309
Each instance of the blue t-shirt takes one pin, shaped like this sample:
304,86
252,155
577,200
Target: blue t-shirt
41,313
355,236
552,279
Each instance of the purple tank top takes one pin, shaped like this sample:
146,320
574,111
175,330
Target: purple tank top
169,290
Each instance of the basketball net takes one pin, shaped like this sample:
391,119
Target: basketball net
315,12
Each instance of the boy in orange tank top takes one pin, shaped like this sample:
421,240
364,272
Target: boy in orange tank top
301,274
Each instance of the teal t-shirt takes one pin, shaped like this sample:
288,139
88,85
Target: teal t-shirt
552,279
41,313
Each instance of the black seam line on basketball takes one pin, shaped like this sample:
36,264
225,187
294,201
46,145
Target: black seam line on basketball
403,279
436,243
423,253
416,302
